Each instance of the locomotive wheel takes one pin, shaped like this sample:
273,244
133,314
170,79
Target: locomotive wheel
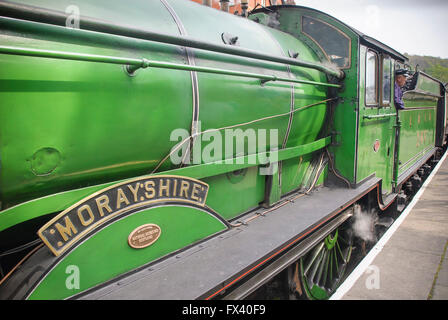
322,268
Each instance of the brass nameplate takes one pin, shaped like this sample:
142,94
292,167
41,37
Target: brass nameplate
144,236
68,227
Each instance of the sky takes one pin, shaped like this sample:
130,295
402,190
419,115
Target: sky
409,26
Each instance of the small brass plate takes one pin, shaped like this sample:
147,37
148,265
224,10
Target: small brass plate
144,236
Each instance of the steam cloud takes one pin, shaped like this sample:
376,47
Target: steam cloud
363,225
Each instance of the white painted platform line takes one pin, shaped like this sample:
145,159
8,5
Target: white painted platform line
368,259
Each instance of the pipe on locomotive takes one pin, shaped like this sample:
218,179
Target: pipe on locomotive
244,8
207,3
379,116
41,15
133,64
224,5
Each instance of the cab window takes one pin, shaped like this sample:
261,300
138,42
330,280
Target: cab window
386,81
371,78
334,43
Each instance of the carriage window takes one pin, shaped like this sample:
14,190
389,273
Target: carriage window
387,69
334,43
371,90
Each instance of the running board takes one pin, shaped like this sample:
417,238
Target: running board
212,268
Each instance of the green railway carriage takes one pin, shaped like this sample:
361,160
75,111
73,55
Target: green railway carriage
166,150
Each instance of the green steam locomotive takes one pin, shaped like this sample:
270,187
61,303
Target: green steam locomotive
166,150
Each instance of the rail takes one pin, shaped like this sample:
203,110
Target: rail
379,116
132,64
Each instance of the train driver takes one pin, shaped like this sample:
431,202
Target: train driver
400,80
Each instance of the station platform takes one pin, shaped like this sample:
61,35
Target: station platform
410,261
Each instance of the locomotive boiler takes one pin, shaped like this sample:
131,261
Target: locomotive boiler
167,150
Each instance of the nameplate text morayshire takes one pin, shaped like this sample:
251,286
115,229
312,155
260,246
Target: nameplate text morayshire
72,224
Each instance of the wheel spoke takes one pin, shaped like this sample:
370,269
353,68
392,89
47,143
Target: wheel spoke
314,255
316,266
335,255
323,267
327,264
340,252
331,265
